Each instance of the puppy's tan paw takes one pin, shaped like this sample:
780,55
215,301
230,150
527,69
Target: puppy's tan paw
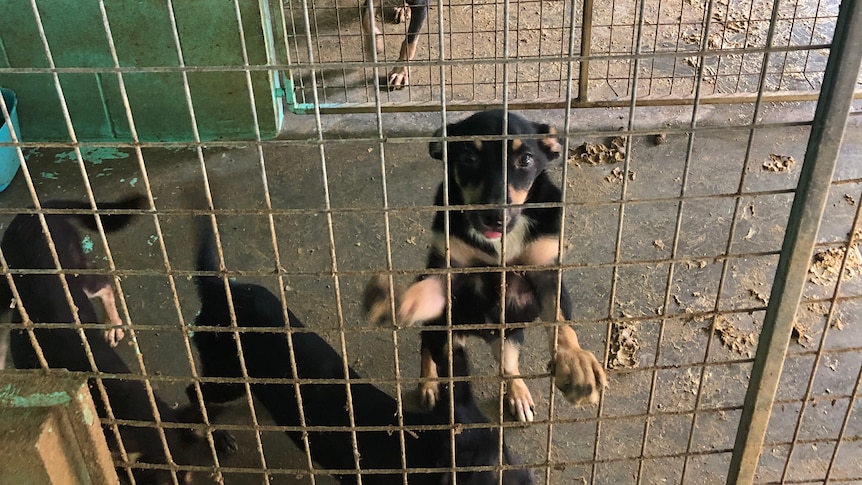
579,375
520,401
423,301
429,394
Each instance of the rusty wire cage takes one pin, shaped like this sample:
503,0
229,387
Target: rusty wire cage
689,215
530,49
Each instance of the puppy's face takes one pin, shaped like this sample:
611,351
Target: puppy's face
499,172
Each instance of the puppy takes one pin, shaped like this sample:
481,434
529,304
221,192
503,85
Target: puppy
25,247
414,10
476,177
267,356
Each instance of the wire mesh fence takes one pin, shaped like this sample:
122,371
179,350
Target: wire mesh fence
528,45
673,214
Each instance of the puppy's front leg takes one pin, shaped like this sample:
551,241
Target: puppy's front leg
577,372
429,390
106,297
520,400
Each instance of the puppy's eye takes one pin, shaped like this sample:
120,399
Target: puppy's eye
526,160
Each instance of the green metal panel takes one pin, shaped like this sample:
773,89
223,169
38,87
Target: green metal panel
142,34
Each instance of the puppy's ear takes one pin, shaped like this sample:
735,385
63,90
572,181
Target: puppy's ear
550,145
435,147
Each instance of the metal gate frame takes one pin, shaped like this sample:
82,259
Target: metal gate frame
806,213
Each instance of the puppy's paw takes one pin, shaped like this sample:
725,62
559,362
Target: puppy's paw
429,394
401,15
424,300
520,401
224,442
114,335
398,77
578,375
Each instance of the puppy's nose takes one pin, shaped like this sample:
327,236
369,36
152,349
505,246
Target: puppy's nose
493,219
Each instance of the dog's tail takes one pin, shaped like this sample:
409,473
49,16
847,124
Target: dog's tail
110,222
207,257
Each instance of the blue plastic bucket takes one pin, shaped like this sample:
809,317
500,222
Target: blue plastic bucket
9,161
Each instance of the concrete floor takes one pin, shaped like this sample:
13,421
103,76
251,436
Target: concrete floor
646,413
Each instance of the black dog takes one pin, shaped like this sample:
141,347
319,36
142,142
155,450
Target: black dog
417,12
267,356
532,234
25,247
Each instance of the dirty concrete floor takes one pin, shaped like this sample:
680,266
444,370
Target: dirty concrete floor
645,425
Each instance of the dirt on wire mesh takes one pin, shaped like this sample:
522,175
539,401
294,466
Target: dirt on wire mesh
624,346
826,263
740,342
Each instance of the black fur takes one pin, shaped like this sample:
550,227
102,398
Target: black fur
469,168
506,179
25,247
266,356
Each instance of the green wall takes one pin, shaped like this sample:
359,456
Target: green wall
142,35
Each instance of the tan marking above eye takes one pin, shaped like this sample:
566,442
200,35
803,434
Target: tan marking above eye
478,144
517,144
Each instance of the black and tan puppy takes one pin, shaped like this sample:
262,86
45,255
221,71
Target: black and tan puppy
267,355
414,10
25,247
476,239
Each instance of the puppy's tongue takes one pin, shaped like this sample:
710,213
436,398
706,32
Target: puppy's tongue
493,234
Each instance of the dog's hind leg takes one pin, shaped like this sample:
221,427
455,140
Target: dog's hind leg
105,295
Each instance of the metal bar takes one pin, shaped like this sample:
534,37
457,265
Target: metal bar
586,39
827,131
791,96
161,242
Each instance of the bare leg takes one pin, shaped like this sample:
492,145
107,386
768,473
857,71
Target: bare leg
106,296
374,38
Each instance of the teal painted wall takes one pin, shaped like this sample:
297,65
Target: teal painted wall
142,35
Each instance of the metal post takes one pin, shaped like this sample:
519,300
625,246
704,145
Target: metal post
586,34
827,129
